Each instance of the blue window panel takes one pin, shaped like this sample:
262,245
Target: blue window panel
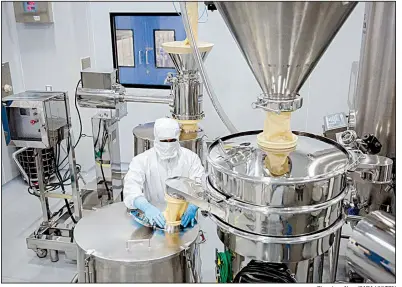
145,73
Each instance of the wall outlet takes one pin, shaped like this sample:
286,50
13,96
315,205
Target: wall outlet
85,63
6,83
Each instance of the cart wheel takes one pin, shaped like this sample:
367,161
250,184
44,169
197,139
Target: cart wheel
41,253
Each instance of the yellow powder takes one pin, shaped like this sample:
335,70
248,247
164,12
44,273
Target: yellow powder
173,239
278,141
277,127
174,210
188,126
192,11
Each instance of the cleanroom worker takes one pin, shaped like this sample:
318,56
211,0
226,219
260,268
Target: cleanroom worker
144,183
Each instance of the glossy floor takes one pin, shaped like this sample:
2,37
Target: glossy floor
21,214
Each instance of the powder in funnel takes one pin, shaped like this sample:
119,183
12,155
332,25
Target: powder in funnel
174,209
277,141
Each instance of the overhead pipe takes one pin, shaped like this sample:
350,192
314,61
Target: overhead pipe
215,102
109,99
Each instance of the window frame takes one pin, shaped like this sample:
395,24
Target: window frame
112,16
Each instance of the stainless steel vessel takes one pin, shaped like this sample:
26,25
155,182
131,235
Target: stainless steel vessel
374,105
187,97
114,248
144,140
371,248
375,101
282,43
294,219
186,88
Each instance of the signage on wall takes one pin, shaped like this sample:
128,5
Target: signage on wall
33,12
30,7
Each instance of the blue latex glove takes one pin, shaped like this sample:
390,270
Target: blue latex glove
189,215
153,214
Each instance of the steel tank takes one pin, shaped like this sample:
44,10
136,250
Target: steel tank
375,100
144,140
114,248
294,219
371,248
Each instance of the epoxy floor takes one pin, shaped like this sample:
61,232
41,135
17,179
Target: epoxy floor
21,215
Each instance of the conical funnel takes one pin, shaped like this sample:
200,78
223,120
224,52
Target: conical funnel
182,56
283,41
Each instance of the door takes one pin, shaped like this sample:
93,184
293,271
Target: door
138,53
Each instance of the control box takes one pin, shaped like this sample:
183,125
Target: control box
35,119
33,12
334,124
95,79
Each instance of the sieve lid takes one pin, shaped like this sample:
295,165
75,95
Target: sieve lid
315,158
111,233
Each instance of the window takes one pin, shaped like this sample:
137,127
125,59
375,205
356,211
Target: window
162,59
137,40
125,48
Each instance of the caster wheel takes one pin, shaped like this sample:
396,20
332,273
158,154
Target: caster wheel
355,278
41,253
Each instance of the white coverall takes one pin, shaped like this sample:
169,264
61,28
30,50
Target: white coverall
149,170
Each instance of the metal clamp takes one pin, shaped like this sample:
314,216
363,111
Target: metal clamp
357,155
89,267
119,89
190,266
278,105
348,138
170,79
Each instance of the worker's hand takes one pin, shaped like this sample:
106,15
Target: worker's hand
152,213
155,216
189,216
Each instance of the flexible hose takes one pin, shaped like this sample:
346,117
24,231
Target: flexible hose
215,102
225,267
264,272
75,279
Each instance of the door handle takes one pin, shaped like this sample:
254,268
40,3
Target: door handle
140,56
146,55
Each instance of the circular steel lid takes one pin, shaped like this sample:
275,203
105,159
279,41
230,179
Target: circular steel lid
315,158
146,131
112,234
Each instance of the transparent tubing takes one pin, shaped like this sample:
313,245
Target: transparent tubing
222,115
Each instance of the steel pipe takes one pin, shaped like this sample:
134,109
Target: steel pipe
98,99
153,99
110,99
371,248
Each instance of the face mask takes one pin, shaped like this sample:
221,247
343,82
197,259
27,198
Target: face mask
167,150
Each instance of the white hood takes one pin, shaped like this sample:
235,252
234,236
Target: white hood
165,129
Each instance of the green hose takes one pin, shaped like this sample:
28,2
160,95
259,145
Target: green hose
224,264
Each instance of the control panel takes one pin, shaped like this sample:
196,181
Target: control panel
334,125
335,121
35,119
